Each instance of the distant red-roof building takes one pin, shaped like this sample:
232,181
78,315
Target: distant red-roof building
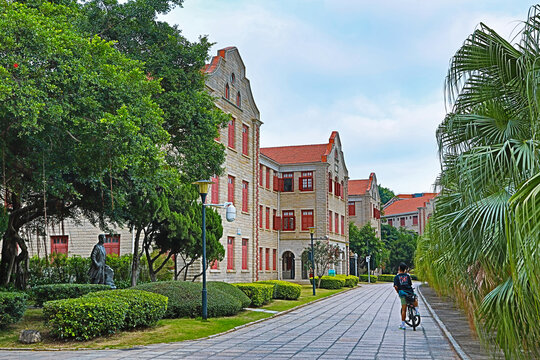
411,211
365,203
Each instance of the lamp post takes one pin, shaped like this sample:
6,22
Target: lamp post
203,190
231,215
311,232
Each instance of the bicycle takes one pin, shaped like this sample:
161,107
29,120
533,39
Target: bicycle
413,320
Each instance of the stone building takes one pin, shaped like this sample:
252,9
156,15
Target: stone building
365,203
410,211
279,192
310,182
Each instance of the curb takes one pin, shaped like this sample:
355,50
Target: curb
462,354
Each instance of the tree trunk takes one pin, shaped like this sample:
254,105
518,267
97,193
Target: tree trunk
135,263
12,263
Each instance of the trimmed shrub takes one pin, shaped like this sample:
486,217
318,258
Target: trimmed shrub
386,277
258,293
185,299
364,278
12,307
143,308
84,318
43,293
284,289
330,282
350,280
231,290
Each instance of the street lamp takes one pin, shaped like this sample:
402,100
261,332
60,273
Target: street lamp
368,260
230,215
311,232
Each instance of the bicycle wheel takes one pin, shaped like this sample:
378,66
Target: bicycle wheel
410,317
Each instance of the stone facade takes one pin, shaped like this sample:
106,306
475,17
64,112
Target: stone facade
365,203
226,81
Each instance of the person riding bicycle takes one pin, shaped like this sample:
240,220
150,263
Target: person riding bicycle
403,286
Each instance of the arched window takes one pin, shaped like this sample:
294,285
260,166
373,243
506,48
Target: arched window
233,78
238,99
227,93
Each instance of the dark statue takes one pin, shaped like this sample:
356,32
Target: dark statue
100,273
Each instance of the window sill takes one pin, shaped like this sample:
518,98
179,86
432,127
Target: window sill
246,156
232,103
231,271
244,271
307,190
245,212
215,270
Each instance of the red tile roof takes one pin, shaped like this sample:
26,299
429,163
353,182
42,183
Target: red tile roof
406,203
209,68
359,187
295,154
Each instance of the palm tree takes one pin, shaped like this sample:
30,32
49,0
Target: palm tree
482,245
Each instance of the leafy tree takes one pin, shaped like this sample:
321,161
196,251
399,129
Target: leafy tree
385,194
482,244
364,242
401,246
190,116
75,115
325,254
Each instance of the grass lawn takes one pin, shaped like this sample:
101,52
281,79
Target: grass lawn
167,330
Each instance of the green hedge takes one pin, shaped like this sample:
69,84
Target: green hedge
284,289
329,282
231,290
364,278
143,308
43,293
259,294
185,299
83,318
386,277
350,280
12,307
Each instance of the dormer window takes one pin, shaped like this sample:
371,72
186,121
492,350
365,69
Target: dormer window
227,92
238,99
233,78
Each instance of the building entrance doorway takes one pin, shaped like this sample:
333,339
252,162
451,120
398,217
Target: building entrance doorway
288,265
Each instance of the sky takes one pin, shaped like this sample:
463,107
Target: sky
372,70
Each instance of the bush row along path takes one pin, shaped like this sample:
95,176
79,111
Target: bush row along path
357,324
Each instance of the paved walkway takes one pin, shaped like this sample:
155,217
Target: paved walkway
357,324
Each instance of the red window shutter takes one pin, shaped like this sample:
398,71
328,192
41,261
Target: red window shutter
267,259
261,175
260,216
227,91
260,258
245,196
112,244
342,225
267,178
342,192
415,220
280,184
268,218
245,139
352,208
336,228
277,223
232,135
329,182
59,244
402,221
230,184
244,254
307,219
274,259
330,219
274,220
276,183
214,265
230,253
215,190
